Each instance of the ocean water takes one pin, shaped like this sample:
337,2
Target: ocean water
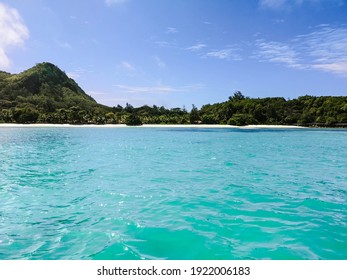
171,193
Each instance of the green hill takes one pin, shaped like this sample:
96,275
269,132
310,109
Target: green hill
44,93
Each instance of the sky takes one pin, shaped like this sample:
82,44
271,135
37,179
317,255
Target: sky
176,53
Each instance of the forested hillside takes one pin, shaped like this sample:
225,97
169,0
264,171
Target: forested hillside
44,93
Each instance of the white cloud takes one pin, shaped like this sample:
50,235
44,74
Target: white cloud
278,21
109,98
288,4
97,93
13,32
114,2
127,66
138,95
277,52
192,87
161,64
73,75
336,67
4,60
64,45
166,44
171,30
196,47
273,4
158,89
323,49
79,73
327,48
227,54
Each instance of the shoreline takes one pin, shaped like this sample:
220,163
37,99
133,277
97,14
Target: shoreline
219,126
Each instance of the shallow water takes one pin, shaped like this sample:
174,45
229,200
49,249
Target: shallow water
169,193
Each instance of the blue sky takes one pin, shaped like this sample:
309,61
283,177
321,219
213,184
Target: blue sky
181,52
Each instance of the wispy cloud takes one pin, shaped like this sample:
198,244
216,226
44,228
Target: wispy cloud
277,52
171,30
13,32
165,44
227,54
273,4
138,94
289,4
114,2
327,47
109,98
334,67
161,64
73,74
323,49
64,45
278,21
78,73
196,47
127,66
157,89
192,87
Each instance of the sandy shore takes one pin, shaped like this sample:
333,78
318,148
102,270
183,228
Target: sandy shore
272,126
149,126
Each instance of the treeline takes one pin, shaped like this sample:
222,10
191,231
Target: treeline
45,94
323,111
306,110
30,113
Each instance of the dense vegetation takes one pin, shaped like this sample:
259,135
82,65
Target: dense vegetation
305,110
45,94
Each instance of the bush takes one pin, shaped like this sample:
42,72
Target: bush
26,115
241,120
133,120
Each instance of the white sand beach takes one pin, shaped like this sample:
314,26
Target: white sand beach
271,126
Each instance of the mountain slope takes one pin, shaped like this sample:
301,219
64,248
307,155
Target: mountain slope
40,92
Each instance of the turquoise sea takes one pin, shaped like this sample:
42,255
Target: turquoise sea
173,193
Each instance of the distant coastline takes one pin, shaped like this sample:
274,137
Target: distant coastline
221,126
45,94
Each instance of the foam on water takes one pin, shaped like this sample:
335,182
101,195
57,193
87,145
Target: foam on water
159,193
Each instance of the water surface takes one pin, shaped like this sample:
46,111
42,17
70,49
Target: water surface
170,193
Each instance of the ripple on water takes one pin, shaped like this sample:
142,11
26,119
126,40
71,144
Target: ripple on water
172,194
